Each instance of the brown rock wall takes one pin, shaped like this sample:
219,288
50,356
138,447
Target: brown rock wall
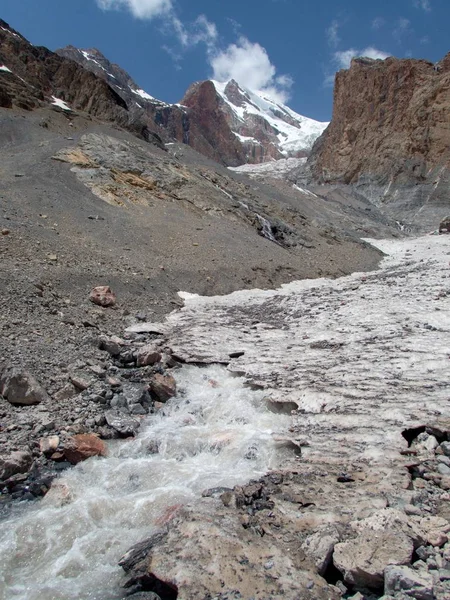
391,121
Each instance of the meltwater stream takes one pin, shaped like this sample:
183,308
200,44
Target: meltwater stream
216,432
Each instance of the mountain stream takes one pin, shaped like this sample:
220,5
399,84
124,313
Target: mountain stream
216,432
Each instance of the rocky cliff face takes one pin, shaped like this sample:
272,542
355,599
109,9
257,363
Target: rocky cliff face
390,122
390,138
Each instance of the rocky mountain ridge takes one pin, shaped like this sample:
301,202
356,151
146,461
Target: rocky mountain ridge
223,121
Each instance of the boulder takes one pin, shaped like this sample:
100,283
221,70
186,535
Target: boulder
49,445
20,387
102,295
415,584
163,386
363,560
80,382
124,425
16,462
82,446
147,355
112,345
320,545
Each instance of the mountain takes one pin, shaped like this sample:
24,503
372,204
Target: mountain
264,129
389,136
223,121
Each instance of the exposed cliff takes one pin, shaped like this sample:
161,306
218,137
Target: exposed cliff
390,121
390,135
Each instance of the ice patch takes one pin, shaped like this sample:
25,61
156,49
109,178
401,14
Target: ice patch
304,191
60,103
275,168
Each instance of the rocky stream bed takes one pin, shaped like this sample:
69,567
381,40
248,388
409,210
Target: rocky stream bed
289,443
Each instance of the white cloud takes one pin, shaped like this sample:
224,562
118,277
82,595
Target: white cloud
141,9
378,23
342,59
423,4
249,64
200,31
332,34
403,28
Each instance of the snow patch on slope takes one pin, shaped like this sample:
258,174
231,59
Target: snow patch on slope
60,103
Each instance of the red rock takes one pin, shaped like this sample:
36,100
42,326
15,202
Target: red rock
147,355
163,386
102,295
83,446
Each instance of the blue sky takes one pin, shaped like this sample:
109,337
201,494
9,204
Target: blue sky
290,48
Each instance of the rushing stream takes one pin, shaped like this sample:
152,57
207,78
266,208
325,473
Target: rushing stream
216,432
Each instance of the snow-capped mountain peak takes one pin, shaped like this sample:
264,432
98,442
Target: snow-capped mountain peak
255,118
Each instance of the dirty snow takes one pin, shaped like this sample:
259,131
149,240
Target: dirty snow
364,356
276,168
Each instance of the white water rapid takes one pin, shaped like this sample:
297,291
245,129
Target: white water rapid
216,432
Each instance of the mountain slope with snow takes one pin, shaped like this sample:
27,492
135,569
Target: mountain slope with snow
291,133
260,128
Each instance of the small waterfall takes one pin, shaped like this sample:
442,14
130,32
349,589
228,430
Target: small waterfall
216,432
266,229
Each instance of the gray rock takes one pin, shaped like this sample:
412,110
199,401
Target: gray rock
122,423
20,387
364,559
111,345
135,561
446,448
16,462
418,585
135,393
443,469
320,545
119,401
137,409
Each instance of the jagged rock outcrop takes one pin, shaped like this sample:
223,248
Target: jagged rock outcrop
390,123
